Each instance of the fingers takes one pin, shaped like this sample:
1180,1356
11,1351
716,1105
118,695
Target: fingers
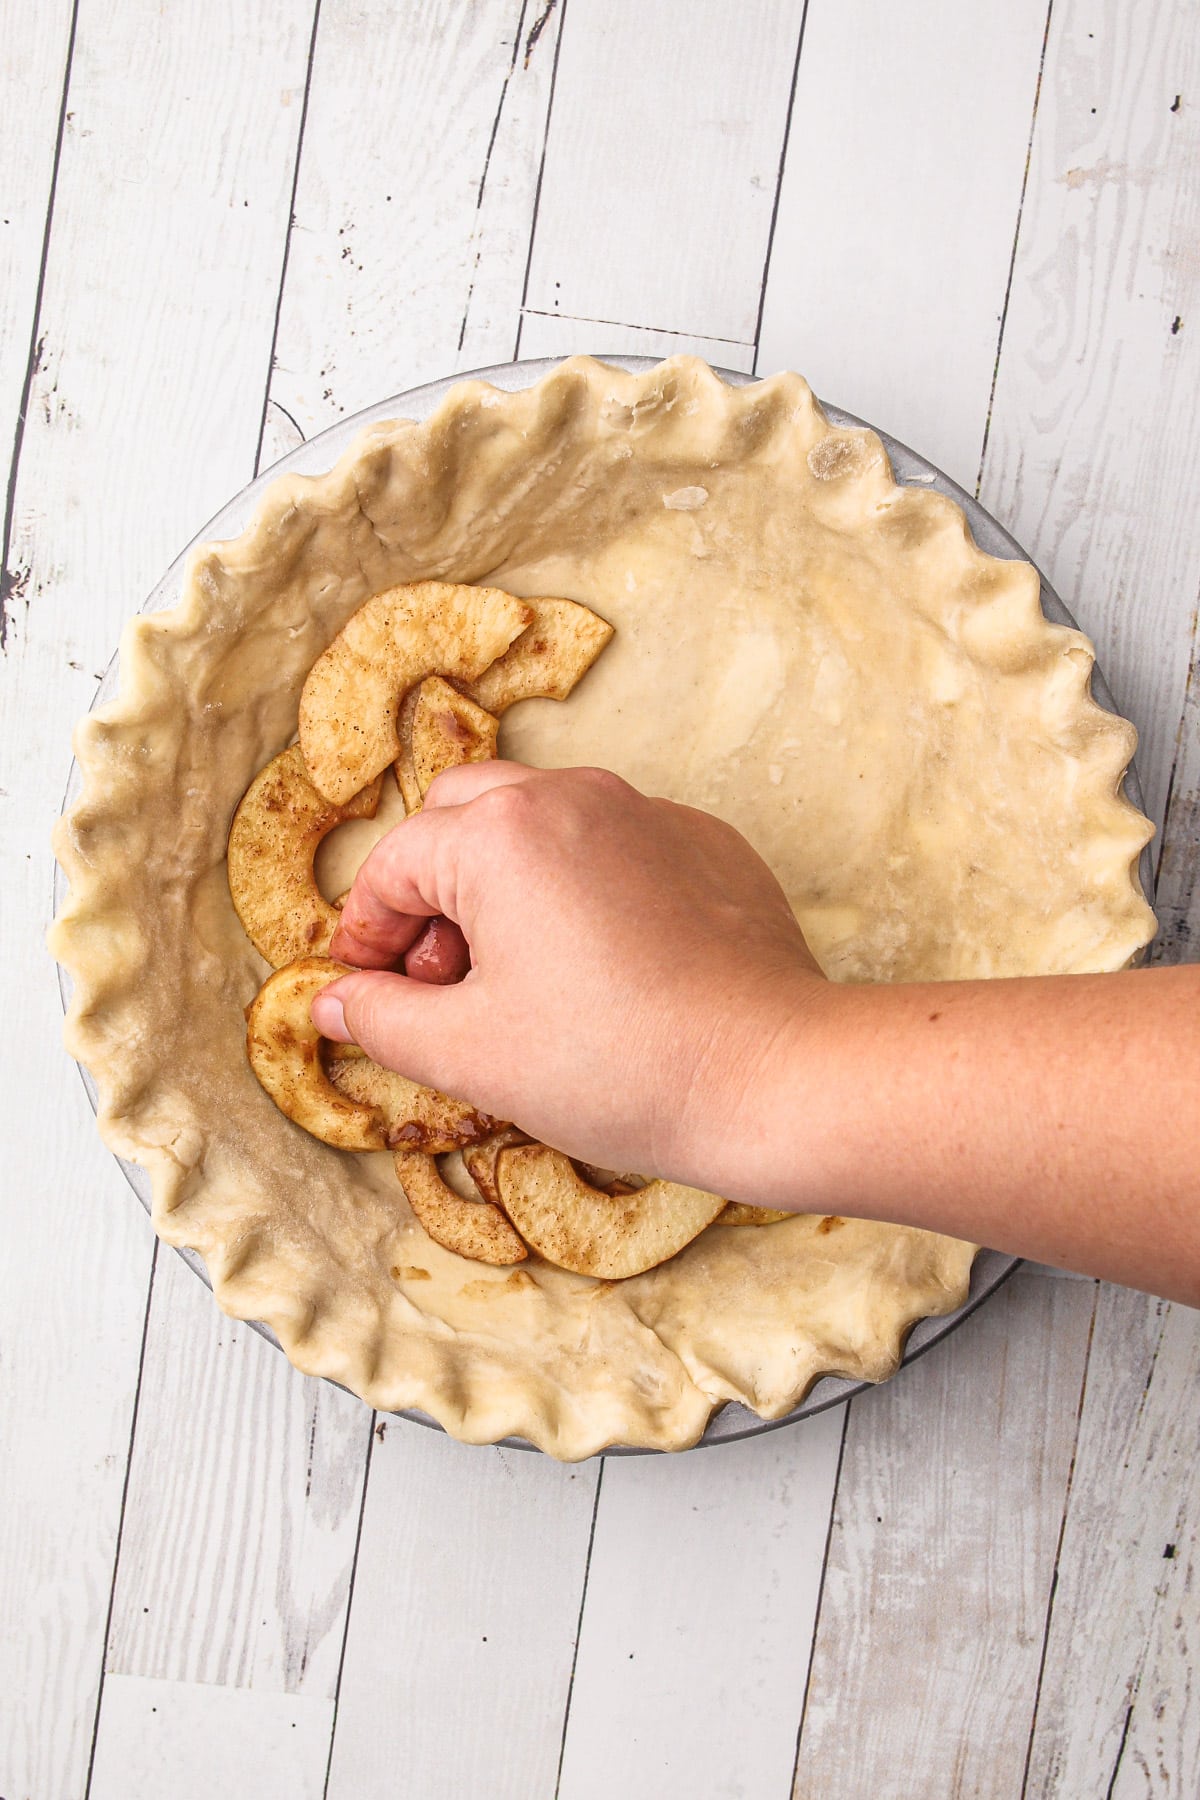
398,889
466,781
410,875
401,1023
440,955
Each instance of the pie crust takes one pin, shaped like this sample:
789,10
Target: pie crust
803,647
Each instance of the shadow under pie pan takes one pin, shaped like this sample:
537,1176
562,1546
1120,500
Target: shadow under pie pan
732,1420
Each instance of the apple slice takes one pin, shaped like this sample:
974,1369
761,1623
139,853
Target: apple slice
480,1160
414,1117
276,829
283,1046
737,1214
471,1228
349,703
581,1228
547,659
439,728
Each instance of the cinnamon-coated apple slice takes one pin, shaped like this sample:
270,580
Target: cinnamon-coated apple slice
414,1117
350,700
439,728
471,1228
580,1227
276,830
550,656
284,1048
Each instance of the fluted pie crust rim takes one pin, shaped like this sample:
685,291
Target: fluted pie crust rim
821,655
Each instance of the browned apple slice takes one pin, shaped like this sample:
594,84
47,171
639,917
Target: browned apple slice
471,1228
480,1160
276,829
737,1214
547,659
283,1046
439,728
414,1117
580,1228
350,700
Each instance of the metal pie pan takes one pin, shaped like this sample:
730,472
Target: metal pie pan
314,457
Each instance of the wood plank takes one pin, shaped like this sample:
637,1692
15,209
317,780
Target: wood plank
31,97
897,211
701,1601
1177,899
941,1558
661,164
242,1510
554,334
461,1634
189,1741
411,262
1118,1711
1091,450
137,427
243,1507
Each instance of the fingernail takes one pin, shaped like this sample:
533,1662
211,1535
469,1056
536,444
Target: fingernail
329,1017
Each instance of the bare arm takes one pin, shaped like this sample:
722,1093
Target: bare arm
642,997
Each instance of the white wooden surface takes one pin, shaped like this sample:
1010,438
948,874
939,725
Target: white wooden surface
225,226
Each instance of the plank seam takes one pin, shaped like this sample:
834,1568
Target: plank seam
812,1649
534,34
587,1569
337,1686
287,236
783,150
537,192
116,1563
537,312
1180,732
1012,261
8,581
1062,1530
1112,1780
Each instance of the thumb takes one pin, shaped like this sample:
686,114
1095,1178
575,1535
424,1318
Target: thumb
415,1027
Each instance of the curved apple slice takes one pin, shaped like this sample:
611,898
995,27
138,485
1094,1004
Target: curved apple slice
439,728
737,1214
283,1046
471,1228
547,659
276,829
350,699
580,1228
481,1159
414,1117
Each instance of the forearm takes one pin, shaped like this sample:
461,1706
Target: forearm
1055,1118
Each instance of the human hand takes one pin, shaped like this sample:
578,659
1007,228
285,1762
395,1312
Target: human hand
632,963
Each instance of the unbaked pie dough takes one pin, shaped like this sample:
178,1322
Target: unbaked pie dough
821,657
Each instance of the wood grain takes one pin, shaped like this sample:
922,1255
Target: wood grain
414,201
1177,900
661,163
1118,1709
554,334
897,211
458,1656
242,1511
1093,441
941,1559
701,1601
186,1741
32,102
157,268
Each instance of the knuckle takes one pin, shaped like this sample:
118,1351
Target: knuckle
603,781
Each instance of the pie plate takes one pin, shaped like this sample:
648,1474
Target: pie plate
732,1420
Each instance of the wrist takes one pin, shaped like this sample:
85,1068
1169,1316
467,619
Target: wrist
754,1125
